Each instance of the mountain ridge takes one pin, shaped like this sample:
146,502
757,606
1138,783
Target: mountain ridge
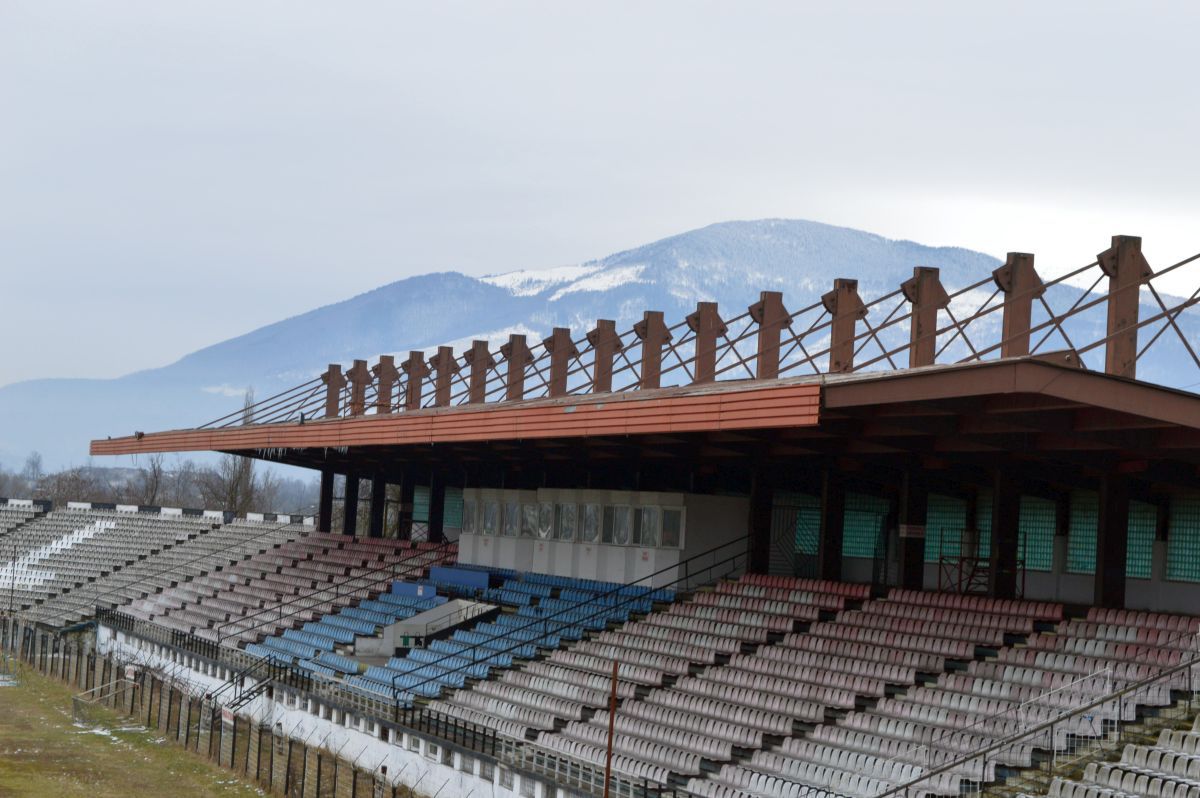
727,262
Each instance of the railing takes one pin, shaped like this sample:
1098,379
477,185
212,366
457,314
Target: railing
919,324
718,559
1090,727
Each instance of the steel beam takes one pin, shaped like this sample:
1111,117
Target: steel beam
707,325
1006,520
924,290
1021,285
846,309
1127,269
833,524
771,316
1112,536
350,506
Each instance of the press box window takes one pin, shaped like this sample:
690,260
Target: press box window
468,518
529,520
647,526
590,528
672,528
564,522
491,518
618,525
512,519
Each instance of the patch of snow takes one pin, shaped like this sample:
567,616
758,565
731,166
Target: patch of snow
531,282
604,281
225,390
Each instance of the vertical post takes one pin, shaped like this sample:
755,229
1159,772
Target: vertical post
386,376
707,325
772,317
334,383
924,290
378,502
350,506
605,345
480,360
1127,269
846,309
612,719
359,376
653,332
407,490
437,509
1006,520
445,366
325,501
760,523
1021,285
561,349
914,501
516,355
833,523
416,371
1112,535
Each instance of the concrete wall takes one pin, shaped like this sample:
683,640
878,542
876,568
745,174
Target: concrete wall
708,521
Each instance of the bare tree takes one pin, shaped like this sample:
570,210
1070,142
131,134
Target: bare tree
151,486
33,471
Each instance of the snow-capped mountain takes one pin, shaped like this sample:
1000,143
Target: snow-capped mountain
729,263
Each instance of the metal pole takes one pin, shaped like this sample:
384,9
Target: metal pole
612,716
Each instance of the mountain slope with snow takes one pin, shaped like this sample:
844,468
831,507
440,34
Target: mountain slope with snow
730,263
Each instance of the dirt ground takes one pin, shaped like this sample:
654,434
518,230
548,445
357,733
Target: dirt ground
43,753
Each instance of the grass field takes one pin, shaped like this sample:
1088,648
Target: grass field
43,754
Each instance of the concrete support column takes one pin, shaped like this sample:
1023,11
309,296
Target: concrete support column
1006,519
350,506
325,502
378,503
1112,541
912,511
437,510
407,488
759,525
833,523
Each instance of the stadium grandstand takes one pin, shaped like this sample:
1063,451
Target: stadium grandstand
940,542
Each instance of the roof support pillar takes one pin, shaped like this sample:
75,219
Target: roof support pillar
654,334
480,360
416,371
444,365
561,349
325,501
405,510
1127,269
334,383
516,355
706,323
847,309
605,345
833,524
386,376
437,510
350,506
1112,534
924,290
1006,520
913,509
359,377
1021,285
759,523
772,317
378,503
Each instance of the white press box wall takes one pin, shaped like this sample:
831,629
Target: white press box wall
706,522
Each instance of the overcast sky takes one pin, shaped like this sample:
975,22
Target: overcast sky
176,173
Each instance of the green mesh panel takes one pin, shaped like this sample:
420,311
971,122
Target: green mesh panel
1035,534
1143,519
983,522
864,520
421,504
808,519
945,522
1183,538
1081,532
453,513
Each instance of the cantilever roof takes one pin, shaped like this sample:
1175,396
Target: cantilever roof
1020,405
